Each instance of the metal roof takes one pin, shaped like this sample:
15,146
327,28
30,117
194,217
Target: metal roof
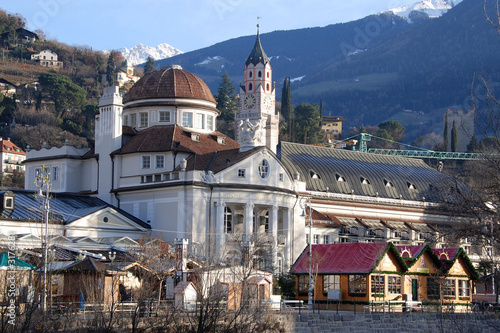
64,207
351,172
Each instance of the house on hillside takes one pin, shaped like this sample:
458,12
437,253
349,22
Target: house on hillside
47,58
22,36
11,157
332,126
125,74
7,88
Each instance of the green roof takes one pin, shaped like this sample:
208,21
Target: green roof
11,263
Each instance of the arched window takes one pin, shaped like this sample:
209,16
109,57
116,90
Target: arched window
250,86
268,75
267,87
228,220
249,74
259,74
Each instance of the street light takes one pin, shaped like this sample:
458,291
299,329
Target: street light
304,203
42,181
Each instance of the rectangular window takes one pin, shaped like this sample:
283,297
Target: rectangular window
330,282
199,121
394,284
304,284
433,289
449,289
164,117
160,161
463,288
133,120
55,173
357,284
307,238
241,173
187,119
378,285
210,123
326,239
125,120
144,119
146,162
281,177
316,239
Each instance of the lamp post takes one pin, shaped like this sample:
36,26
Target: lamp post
304,203
42,181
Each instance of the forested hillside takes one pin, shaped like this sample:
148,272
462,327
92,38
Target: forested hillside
52,105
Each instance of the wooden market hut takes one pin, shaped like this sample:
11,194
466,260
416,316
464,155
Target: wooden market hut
362,272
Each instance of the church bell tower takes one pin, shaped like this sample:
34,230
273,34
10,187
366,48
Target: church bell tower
257,123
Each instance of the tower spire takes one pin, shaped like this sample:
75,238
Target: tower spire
257,55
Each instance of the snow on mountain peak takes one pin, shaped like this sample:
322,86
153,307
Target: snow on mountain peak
140,53
433,8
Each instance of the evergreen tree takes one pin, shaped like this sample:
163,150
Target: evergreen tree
149,66
445,133
110,69
286,107
473,146
307,125
227,104
454,138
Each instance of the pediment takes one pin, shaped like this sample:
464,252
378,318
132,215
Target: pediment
106,218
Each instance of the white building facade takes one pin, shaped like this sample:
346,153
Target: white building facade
159,157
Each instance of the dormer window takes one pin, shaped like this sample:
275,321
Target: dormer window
221,140
8,202
388,183
195,137
314,174
339,178
365,181
411,186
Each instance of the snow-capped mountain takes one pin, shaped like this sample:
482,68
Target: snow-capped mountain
140,53
433,8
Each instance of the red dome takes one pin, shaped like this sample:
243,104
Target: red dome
169,83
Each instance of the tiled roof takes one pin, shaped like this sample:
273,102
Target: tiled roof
344,258
9,147
169,83
174,137
351,172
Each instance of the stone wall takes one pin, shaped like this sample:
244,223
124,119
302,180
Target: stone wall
329,321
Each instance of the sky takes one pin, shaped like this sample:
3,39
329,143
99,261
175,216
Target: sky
185,24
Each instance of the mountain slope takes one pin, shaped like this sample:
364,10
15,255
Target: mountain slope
425,69
294,53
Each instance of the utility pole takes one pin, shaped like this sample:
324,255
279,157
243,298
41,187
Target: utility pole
42,181
306,202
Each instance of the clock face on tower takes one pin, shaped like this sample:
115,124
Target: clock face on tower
250,101
268,102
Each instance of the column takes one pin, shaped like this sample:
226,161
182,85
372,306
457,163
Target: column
248,221
220,231
273,229
287,225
